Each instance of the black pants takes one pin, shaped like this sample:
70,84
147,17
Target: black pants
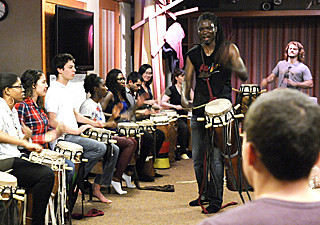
147,147
38,177
183,135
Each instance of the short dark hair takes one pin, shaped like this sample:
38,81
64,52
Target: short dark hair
134,77
176,73
284,127
59,61
91,81
7,80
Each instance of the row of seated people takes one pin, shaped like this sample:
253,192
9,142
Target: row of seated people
136,96
22,101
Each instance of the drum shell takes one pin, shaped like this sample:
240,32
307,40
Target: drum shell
164,151
173,138
236,161
246,95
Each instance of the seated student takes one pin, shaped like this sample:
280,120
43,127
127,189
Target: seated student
32,113
91,108
173,94
28,174
60,107
147,77
133,85
116,84
281,145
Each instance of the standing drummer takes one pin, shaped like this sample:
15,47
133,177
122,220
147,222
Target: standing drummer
292,73
213,61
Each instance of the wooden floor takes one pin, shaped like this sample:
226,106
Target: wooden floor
154,207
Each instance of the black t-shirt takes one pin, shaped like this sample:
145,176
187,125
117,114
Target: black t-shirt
220,80
175,98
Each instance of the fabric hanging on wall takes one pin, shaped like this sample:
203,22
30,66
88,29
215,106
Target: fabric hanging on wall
173,37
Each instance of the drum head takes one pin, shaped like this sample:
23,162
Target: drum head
7,180
145,123
127,125
218,107
249,88
66,145
49,154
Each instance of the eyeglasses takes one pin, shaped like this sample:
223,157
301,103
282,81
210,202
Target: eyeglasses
208,29
120,79
17,86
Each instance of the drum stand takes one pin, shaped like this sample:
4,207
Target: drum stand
227,155
241,182
75,186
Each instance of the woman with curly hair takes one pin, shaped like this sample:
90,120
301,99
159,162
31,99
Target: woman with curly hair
32,113
92,109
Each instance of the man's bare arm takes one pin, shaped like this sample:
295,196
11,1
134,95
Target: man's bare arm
237,64
186,85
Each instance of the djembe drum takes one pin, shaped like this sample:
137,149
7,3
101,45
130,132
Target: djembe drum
11,200
220,117
161,122
246,95
131,130
56,162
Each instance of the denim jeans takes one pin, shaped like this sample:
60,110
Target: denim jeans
93,151
109,165
212,189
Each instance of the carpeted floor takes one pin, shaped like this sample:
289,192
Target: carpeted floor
154,207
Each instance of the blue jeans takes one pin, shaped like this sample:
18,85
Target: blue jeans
108,167
93,150
212,189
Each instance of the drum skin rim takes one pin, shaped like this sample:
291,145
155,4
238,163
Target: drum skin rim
6,179
67,145
212,103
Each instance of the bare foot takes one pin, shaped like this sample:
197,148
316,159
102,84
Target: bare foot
99,195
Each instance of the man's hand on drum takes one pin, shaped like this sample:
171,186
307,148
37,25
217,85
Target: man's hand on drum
82,128
31,146
98,124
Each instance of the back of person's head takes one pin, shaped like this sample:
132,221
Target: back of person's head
134,77
176,73
90,82
29,80
7,80
284,127
142,69
59,61
301,53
